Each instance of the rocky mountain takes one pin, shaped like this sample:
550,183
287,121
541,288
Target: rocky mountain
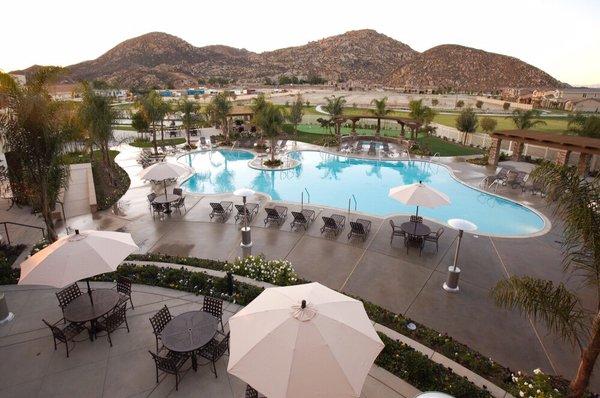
468,68
162,60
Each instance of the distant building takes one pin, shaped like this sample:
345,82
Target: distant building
558,99
583,105
117,94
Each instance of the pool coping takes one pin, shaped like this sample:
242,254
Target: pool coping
544,230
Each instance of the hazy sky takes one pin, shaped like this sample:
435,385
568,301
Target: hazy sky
560,37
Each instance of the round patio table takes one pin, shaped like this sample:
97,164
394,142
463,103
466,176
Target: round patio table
81,309
188,332
416,231
167,200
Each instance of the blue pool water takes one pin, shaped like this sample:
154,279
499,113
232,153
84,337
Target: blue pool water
331,180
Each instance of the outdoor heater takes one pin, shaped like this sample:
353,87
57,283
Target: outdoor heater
451,284
246,233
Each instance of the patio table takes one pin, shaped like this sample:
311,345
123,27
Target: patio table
167,200
416,231
82,310
189,332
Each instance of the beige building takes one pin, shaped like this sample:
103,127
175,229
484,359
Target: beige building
583,105
558,99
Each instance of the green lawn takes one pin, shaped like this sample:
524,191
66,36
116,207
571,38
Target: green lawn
165,142
84,157
447,148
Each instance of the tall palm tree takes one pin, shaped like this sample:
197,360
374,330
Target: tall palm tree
380,111
335,108
189,117
163,110
257,106
97,117
33,130
218,112
526,119
152,108
421,113
575,202
295,114
270,121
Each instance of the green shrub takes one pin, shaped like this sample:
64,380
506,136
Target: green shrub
8,255
539,385
277,272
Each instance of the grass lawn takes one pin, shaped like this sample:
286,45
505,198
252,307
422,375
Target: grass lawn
165,142
447,148
84,157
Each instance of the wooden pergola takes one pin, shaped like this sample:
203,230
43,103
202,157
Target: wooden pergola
566,144
402,121
245,112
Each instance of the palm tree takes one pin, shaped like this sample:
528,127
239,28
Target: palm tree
189,117
152,108
525,119
97,116
258,105
296,113
335,108
585,126
380,111
163,110
467,123
421,113
270,121
139,123
32,129
218,112
575,201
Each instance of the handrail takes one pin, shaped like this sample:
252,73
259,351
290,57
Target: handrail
437,154
307,194
5,223
350,199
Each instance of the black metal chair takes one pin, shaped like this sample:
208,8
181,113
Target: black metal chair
124,289
435,237
177,205
221,209
114,321
303,218
396,231
151,198
66,295
360,227
250,392
214,306
214,350
157,208
177,191
276,214
64,334
159,321
417,219
171,364
334,224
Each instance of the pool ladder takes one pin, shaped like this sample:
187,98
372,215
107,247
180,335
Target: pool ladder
435,155
302,197
350,200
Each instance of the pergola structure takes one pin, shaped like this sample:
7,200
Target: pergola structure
566,144
402,121
244,112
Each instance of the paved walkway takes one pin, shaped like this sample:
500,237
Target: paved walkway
29,366
377,270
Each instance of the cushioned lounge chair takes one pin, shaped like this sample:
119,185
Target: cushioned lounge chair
334,224
221,209
276,214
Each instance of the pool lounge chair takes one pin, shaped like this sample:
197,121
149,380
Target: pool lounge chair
282,145
304,218
360,227
334,224
193,133
371,151
386,149
203,143
251,210
500,178
276,214
520,180
221,209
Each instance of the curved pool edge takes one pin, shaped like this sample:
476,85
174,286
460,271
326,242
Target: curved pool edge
544,230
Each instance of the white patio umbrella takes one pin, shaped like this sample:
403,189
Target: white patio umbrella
303,341
75,257
419,194
163,171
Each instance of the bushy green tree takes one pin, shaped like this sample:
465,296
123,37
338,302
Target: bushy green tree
585,126
467,123
296,113
488,124
153,110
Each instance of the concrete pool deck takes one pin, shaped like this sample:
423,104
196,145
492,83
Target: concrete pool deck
375,270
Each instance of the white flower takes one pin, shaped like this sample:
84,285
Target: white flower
537,371
521,394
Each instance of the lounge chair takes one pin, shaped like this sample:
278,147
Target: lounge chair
193,133
304,218
251,210
435,237
282,145
334,224
221,209
360,227
203,143
371,151
386,149
520,180
173,133
276,214
396,231
500,178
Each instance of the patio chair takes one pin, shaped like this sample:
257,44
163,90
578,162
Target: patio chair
64,334
303,218
203,143
173,133
396,231
386,149
250,210
214,306
177,191
520,180
371,151
171,364
113,321
221,209
360,227
66,295
214,350
193,133
417,219
157,208
159,321
334,224
276,214
177,205
282,145
151,198
123,287
500,178
435,237
250,392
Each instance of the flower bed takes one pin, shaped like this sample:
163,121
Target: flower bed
277,272
8,255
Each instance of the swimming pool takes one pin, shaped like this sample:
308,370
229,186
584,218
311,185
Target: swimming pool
331,180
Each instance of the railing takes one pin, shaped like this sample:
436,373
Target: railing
6,223
350,200
302,197
435,155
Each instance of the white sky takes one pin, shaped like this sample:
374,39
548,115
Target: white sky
560,37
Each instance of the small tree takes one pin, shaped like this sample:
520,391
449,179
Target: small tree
380,111
296,113
467,123
139,122
506,105
460,103
526,119
488,124
479,104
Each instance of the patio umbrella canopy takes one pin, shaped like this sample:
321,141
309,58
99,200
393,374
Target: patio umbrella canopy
419,194
75,257
303,341
163,171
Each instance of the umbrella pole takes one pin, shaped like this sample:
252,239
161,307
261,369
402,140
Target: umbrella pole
87,281
165,185
417,216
